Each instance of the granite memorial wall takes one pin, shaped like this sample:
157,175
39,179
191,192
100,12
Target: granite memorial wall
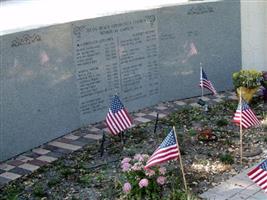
59,78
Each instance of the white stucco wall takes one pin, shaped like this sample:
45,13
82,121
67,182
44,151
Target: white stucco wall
254,34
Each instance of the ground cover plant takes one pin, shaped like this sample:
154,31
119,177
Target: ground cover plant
85,175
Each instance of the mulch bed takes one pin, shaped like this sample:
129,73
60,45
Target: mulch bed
85,175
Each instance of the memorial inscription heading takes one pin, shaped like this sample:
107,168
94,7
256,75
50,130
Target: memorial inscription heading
26,40
116,56
200,9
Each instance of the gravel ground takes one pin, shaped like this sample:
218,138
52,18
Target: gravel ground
85,175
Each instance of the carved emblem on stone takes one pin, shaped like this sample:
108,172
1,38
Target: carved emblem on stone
26,40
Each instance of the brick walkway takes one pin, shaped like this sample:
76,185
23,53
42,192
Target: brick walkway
239,187
32,160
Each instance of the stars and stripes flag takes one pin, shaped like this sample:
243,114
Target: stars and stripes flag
245,115
117,118
259,175
168,150
205,82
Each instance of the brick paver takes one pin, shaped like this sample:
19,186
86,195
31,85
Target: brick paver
93,136
65,145
29,167
48,159
10,175
142,119
41,151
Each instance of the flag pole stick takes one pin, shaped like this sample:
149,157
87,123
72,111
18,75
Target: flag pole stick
102,147
241,129
156,123
122,134
202,92
181,162
156,126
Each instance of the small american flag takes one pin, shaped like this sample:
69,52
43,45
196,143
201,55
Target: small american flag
259,175
245,115
117,118
205,82
168,150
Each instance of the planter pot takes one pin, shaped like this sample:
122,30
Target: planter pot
247,93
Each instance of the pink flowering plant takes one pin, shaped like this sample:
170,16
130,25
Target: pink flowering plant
141,183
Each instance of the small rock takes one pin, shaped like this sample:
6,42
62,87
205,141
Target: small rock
195,183
252,152
203,185
213,184
217,179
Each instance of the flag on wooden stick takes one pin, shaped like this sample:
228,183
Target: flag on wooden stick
168,150
259,175
117,118
245,115
205,82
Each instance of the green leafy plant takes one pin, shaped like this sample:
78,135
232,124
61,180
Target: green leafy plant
86,179
54,181
228,142
247,78
176,190
192,132
222,122
180,195
227,159
67,172
142,183
39,190
12,192
264,80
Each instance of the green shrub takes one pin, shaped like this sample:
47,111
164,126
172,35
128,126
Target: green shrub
180,195
85,179
39,190
53,182
11,193
222,122
192,132
247,78
67,172
264,81
227,159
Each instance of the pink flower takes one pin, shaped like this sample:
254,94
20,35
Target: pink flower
137,167
126,167
161,180
138,157
127,187
143,183
150,172
162,170
126,160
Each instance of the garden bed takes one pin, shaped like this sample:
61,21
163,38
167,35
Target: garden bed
85,175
